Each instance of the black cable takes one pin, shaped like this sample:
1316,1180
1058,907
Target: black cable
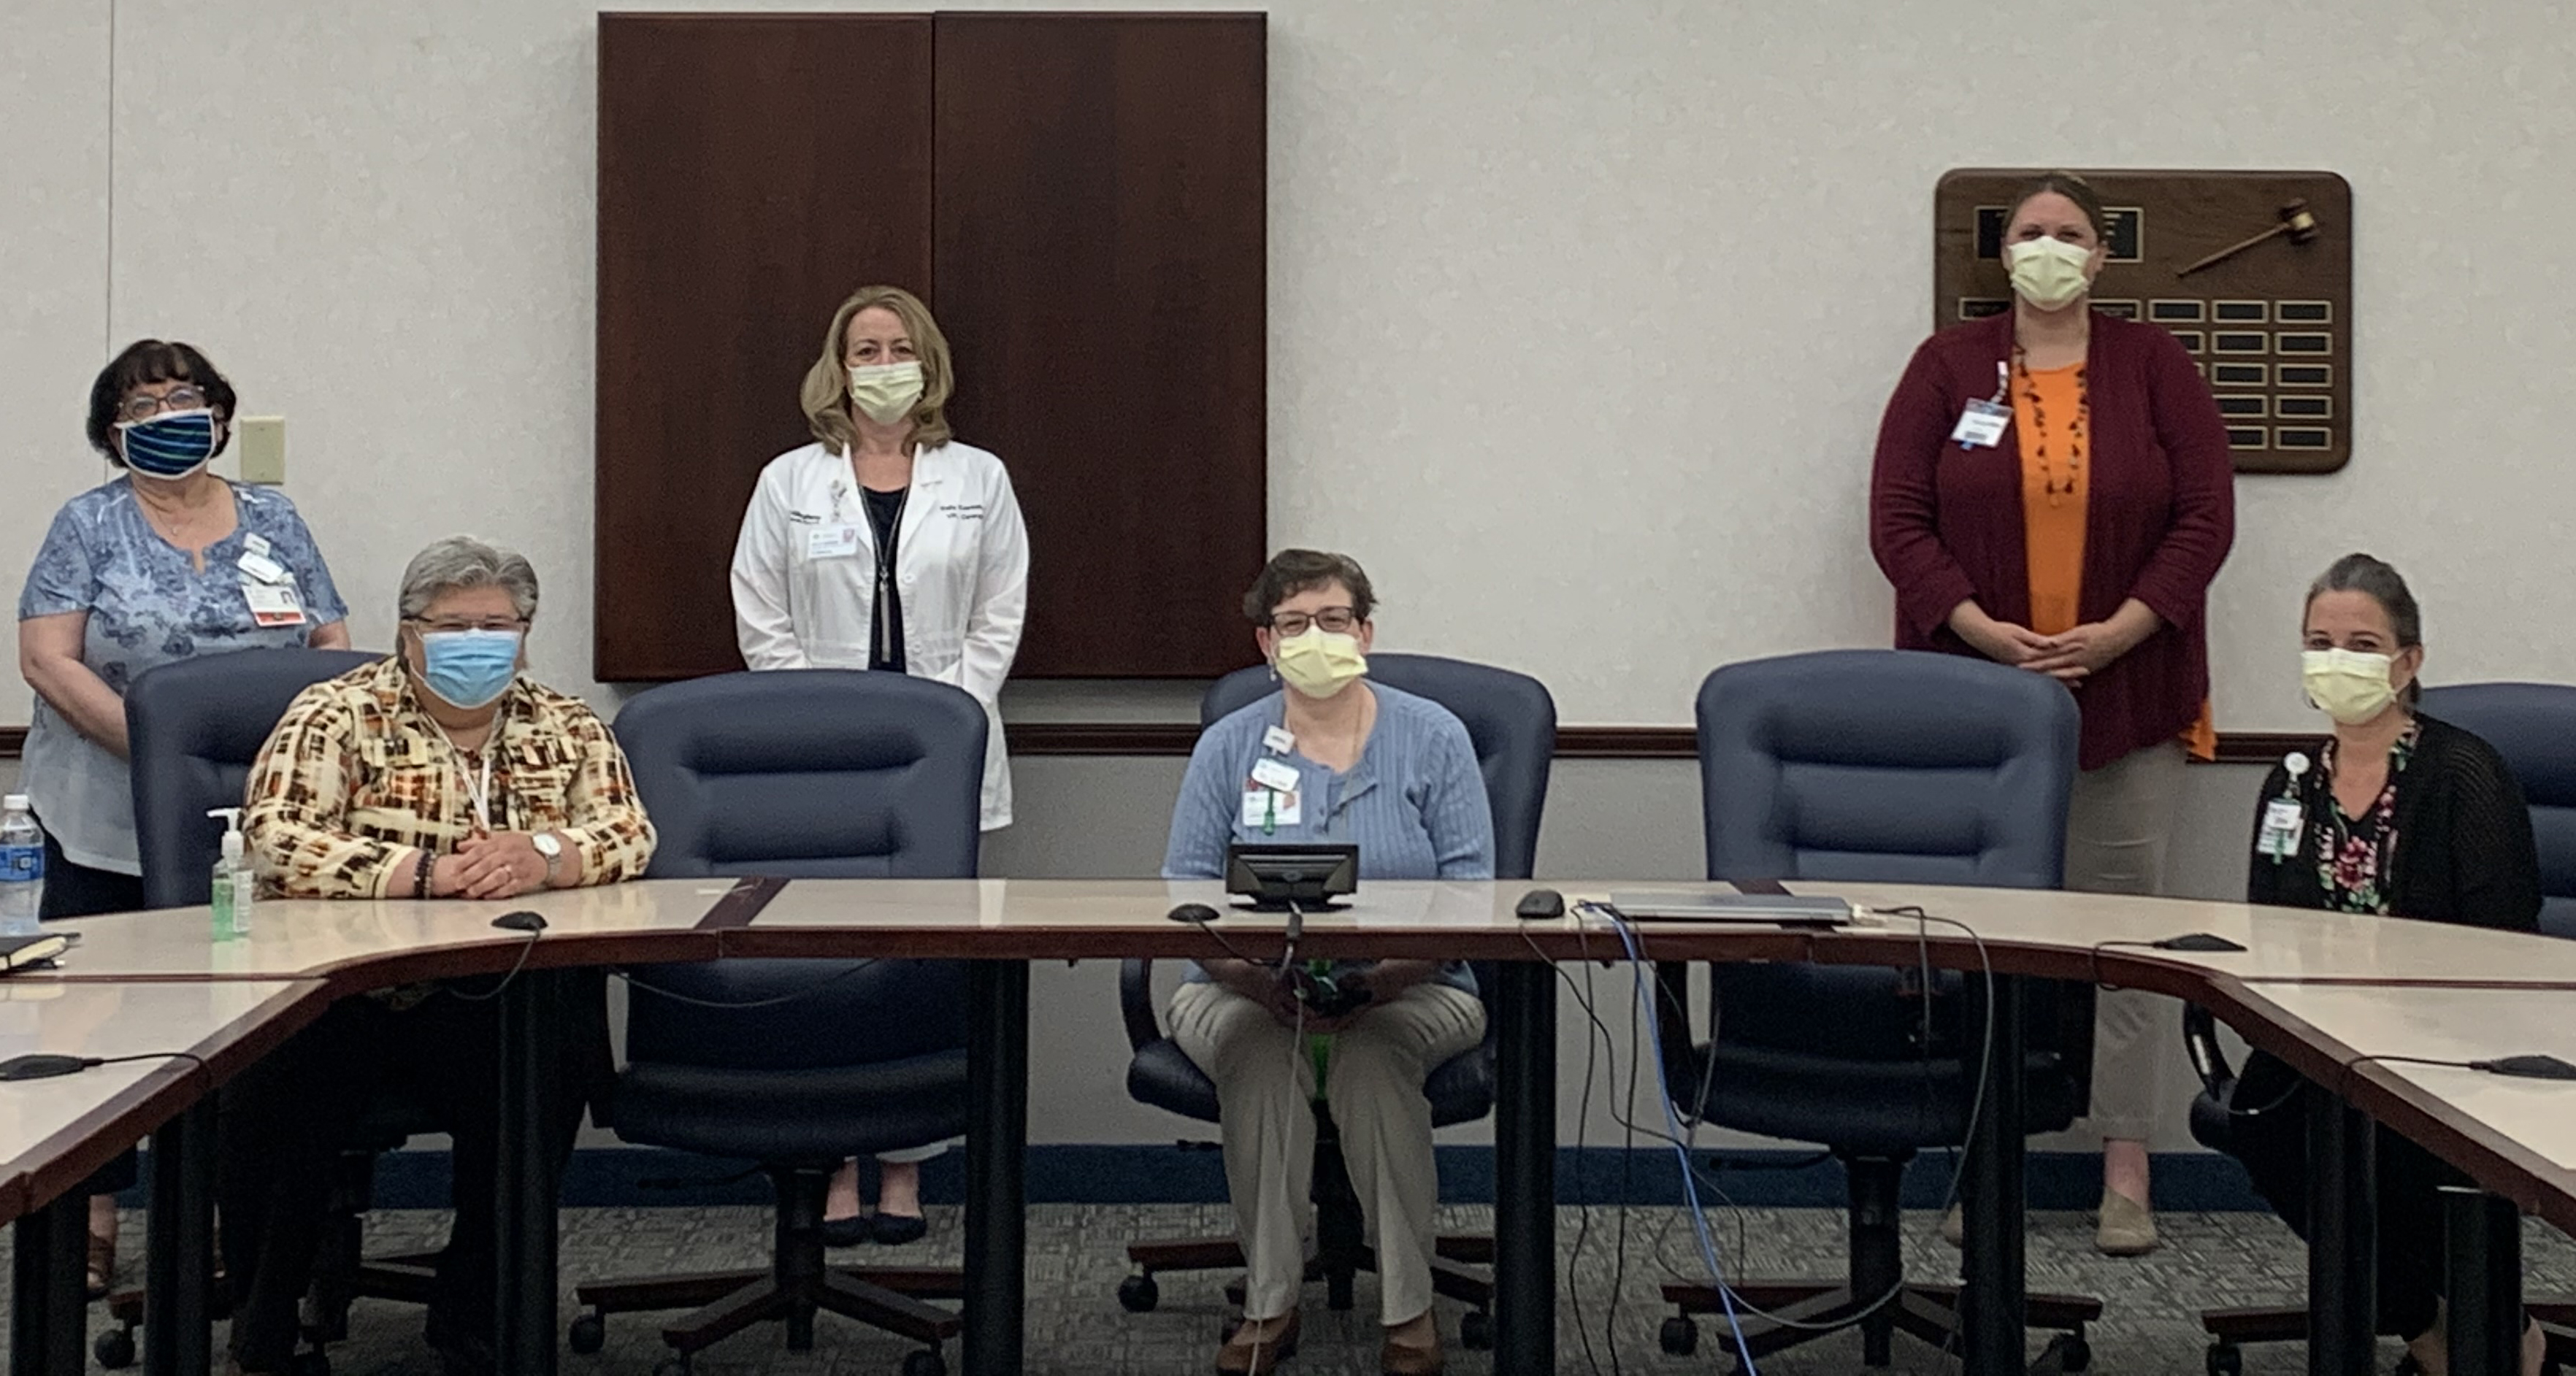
1582,1171
495,991
693,1001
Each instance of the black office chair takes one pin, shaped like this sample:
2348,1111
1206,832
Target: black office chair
2533,725
1883,766
195,727
798,1064
1512,721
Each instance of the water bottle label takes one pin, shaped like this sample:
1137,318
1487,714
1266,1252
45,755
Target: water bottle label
21,863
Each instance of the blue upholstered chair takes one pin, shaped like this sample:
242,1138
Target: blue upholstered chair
194,729
797,1064
1512,721
2533,725
1878,766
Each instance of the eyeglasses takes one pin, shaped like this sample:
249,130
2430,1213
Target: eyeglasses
449,625
176,399
1333,619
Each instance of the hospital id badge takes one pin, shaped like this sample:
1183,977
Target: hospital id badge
273,604
1273,774
2279,837
1266,810
1981,425
832,542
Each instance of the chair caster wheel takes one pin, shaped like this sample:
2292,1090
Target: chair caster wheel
1679,1337
1138,1294
1476,1331
114,1348
2226,1359
2073,1352
588,1334
926,1362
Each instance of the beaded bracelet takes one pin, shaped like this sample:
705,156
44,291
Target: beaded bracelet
420,874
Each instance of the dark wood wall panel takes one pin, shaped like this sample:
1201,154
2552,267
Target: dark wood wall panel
1100,261
753,171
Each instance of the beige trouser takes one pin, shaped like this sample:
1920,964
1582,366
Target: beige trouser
1265,1083
2117,826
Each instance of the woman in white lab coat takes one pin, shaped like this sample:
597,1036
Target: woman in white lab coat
885,544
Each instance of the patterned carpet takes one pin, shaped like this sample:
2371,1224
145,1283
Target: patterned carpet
1076,1259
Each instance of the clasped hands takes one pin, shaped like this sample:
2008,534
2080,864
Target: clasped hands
2071,656
489,864
1277,990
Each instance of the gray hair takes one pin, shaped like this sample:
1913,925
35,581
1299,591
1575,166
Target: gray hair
461,561
2381,584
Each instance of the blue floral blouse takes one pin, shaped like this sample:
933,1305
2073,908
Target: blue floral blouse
147,606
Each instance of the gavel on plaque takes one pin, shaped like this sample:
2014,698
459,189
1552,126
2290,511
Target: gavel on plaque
2296,222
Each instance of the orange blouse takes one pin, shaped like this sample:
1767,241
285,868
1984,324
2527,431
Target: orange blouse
2050,417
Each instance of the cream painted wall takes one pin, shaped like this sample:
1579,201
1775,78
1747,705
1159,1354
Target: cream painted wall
1583,316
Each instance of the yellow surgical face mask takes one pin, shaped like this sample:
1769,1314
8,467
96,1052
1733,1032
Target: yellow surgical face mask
2048,272
1317,662
2350,686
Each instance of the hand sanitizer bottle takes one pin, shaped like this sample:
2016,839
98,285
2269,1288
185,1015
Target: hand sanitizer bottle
234,880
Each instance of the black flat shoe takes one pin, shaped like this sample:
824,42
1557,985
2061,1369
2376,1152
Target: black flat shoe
894,1230
846,1232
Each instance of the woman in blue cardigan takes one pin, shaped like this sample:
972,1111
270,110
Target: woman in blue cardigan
1330,757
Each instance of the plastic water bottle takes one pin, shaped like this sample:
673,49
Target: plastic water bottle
22,867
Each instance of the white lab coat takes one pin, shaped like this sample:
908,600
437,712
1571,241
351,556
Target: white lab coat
961,567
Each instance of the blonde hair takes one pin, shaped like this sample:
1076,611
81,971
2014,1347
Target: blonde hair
827,384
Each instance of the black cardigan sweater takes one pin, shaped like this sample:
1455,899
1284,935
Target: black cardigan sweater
2464,847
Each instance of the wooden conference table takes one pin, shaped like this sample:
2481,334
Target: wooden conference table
2320,990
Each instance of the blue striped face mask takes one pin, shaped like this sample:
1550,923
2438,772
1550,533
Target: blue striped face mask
173,444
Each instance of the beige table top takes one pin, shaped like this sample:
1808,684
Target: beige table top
2283,943
2516,1136
2030,931
308,938
55,1132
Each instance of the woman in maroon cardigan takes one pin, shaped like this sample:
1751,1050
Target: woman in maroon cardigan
2053,491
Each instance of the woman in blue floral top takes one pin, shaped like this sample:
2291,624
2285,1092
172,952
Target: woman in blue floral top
2398,816
167,562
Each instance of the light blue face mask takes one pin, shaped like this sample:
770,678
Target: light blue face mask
171,445
469,668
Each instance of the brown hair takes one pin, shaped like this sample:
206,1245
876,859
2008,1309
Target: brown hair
155,360
2382,584
2073,188
1292,571
827,383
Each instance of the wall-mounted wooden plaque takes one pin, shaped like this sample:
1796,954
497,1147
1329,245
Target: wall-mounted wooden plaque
2270,324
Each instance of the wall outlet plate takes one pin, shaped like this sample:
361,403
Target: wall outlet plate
263,449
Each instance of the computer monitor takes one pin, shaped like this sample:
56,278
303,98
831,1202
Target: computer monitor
1273,876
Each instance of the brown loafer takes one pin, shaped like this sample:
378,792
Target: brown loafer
1258,1345
1405,1359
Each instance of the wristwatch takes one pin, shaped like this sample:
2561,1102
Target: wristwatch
550,848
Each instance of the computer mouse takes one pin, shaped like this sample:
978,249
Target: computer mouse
40,1067
1538,903
522,921
1193,913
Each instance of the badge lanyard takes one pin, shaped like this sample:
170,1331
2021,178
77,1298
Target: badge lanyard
479,794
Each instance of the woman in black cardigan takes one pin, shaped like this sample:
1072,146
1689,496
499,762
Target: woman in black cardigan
2398,815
